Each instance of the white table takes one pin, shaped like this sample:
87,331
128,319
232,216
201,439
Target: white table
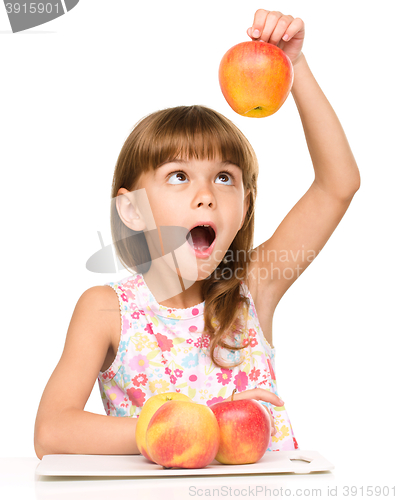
17,480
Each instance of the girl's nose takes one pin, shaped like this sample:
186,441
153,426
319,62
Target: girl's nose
205,198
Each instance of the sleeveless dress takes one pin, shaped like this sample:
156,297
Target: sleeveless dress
162,350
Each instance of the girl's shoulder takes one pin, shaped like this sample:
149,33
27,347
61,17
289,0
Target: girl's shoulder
111,309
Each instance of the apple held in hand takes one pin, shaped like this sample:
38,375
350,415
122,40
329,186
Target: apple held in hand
150,407
245,430
255,78
183,434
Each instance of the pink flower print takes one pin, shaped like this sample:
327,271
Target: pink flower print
189,341
164,361
149,329
254,374
173,379
263,359
271,369
124,297
140,379
109,375
241,381
125,325
130,283
253,342
224,376
214,400
139,363
252,332
205,340
115,394
135,315
136,396
164,343
178,372
177,390
130,294
168,371
195,379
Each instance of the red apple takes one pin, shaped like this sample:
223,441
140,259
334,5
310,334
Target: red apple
183,434
255,78
245,430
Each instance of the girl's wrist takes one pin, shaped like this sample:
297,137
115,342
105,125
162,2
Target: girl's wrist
300,58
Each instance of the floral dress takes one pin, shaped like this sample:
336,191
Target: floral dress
162,350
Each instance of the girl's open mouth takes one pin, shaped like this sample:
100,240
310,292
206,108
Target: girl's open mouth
201,240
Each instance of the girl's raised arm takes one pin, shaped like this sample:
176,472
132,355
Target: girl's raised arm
62,425
307,227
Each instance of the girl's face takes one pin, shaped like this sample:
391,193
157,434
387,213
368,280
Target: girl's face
186,192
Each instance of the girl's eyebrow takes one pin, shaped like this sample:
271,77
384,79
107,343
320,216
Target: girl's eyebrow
186,162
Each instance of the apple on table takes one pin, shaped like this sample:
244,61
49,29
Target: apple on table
183,434
245,430
150,407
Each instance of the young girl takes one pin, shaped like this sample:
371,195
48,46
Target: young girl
185,321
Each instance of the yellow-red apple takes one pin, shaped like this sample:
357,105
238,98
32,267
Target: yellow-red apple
255,78
245,430
183,434
150,407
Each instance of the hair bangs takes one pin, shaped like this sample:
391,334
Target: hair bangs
198,133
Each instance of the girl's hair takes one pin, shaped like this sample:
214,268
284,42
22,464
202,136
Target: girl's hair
192,132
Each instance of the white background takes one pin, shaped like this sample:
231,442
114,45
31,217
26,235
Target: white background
71,91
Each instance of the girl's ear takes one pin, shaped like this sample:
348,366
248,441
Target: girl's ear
128,211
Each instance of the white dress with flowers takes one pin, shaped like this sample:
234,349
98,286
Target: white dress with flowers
162,349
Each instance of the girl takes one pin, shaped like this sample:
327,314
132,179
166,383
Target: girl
186,321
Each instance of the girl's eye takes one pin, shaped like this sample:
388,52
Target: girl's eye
180,174
226,175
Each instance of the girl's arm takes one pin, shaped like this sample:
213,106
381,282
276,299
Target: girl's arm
62,425
280,260
334,165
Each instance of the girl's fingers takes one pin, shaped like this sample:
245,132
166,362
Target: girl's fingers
273,26
259,394
258,24
268,397
273,430
272,19
296,25
264,24
280,29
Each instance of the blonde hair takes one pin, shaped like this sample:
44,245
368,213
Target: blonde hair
201,133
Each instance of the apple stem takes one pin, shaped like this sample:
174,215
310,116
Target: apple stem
232,394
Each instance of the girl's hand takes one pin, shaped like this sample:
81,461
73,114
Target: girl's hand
273,27
259,394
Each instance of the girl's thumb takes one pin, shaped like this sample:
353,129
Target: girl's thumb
270,397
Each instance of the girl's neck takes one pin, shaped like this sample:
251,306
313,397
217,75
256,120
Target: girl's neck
169,289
